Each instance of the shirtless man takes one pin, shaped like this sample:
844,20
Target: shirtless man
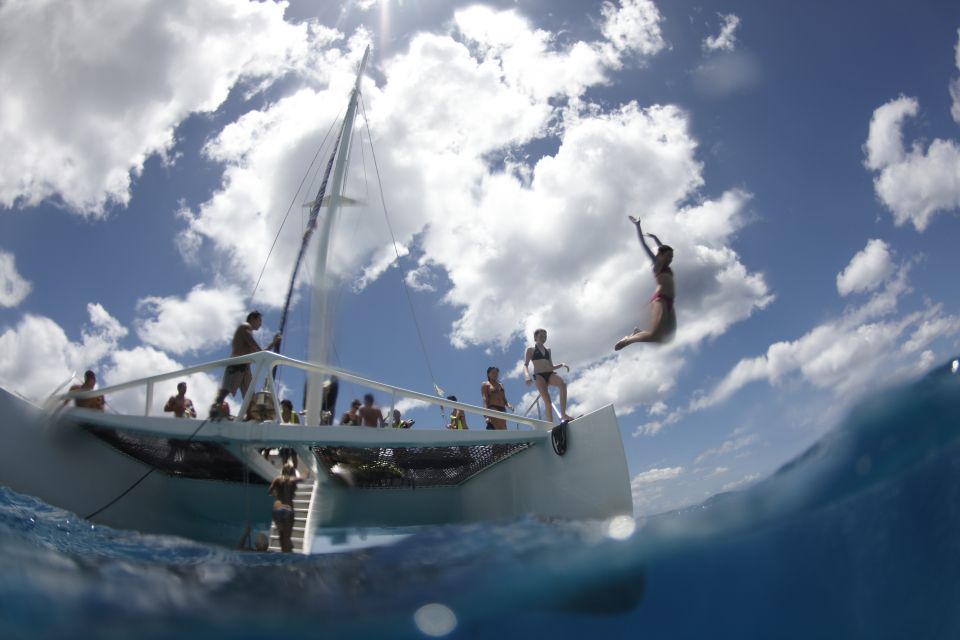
663,318
494,397
370,414
352,415
238,376
283,488
543,372
89,382
180,405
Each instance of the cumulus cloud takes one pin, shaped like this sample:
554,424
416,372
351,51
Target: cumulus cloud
647,487
726,40
865,347
141,362
202,319
916,183
85,105
739,440
955,86
449,123
656,475
39,357
867,270
633,26
13,288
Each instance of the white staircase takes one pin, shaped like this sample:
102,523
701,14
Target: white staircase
301,506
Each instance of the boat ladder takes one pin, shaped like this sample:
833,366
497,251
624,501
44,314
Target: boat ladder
301,506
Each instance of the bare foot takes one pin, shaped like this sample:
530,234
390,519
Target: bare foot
621,343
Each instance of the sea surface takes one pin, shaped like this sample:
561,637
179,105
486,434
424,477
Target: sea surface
858,537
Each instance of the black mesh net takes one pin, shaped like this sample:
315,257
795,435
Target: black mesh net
369,467
181,458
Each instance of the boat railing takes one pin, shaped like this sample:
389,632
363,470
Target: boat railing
263,364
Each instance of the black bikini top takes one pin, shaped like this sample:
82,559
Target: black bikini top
539,355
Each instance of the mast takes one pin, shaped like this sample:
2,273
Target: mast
321,304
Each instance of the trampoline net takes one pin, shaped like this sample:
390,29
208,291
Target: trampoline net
371,467
181,458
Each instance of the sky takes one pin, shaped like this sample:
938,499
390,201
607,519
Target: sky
803,159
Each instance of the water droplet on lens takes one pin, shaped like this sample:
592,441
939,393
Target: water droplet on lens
621,527
435,620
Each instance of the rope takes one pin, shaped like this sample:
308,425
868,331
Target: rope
403,280
296,195
142,478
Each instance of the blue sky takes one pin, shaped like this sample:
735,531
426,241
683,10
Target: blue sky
802,158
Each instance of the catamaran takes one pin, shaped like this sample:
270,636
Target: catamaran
206,479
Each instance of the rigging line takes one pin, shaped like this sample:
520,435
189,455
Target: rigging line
403,280
276,238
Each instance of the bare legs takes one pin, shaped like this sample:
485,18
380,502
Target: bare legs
663,324
542,387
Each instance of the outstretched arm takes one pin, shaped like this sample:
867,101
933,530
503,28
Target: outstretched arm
643,242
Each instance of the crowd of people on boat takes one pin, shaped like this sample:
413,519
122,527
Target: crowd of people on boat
539,370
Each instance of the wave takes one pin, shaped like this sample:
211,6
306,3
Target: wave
856,537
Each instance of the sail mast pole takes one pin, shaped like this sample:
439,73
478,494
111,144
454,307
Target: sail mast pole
321,303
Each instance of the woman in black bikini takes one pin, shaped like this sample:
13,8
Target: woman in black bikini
663,318
543,372
283,488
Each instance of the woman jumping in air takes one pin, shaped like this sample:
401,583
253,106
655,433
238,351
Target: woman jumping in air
662,315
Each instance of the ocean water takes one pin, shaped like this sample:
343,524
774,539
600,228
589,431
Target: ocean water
858,537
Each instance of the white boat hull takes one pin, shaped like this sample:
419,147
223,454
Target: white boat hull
60,461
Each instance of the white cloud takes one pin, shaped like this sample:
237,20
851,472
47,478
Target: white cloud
409,404
955,86
633,26
656,475
491,232
509,47
648,488
741,483
913,184
39,357
202,319
142,362
928,330
738,441
867,270
726,40
864,348
13,288
85,105
382,260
